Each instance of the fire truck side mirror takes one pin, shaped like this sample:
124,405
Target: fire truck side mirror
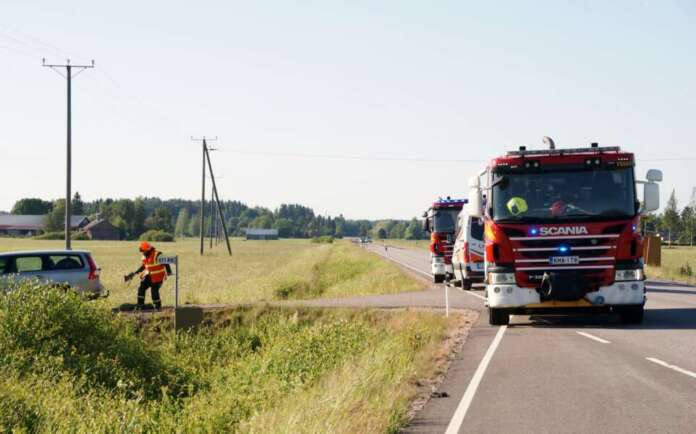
474,204
651,196
654,175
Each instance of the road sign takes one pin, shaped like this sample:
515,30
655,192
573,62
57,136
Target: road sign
167,260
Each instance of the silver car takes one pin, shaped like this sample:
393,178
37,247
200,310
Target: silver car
75,268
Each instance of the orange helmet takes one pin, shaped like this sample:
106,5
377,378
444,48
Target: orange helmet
145,246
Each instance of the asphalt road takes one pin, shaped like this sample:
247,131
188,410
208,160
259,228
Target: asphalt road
580,374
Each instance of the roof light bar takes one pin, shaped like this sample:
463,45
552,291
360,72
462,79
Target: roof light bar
564,151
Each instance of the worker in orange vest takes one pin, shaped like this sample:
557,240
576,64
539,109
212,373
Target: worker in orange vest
152,275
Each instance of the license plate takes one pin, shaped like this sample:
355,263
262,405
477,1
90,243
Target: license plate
477,266
564,260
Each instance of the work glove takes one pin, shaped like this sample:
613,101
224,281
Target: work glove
128,277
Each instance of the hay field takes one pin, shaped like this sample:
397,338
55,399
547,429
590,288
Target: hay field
256,271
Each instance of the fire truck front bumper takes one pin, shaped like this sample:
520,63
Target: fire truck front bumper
513,296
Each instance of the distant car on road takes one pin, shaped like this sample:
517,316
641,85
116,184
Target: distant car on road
75,268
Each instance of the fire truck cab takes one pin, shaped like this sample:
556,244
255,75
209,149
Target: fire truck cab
440,222
561,231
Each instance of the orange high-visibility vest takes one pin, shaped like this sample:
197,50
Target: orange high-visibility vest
157,272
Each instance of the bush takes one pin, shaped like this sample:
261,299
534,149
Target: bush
156,235
324,239
686,270
59,235
51,236
44,329
80,236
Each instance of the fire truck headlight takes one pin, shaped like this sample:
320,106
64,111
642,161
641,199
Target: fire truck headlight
628,275
501,278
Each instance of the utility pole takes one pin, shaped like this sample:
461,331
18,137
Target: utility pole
204,147
212,223
68,187
219,207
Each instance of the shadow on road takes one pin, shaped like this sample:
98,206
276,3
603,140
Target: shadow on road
655,319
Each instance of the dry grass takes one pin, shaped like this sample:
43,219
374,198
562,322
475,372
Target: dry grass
371,393
675,264
257,270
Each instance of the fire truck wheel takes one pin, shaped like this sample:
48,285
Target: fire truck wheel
630,314
498,316
466,284
438,278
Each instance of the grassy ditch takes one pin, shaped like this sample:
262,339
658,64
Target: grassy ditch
257,271
68,366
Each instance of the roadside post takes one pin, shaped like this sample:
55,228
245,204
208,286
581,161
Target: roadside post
446,300
172,260
186,317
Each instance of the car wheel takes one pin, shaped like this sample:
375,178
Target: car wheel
466,284
438,278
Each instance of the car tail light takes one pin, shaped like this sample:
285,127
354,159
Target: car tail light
93,270
467,256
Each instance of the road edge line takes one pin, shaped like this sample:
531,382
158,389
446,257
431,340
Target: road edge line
463,407
425,274
672,367
593,337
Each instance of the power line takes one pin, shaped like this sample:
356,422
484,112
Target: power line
350,157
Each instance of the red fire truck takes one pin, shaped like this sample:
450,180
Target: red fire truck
562,231
440,222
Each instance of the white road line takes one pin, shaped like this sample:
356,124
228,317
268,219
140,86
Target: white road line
430,275
672,367
463,407
593,337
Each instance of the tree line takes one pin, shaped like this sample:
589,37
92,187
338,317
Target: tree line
181,217
676,226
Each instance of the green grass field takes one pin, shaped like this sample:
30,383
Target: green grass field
68,366
256,271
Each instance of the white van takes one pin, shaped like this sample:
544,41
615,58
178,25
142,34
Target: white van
468,253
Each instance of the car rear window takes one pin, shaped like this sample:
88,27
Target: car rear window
4,262
25,264
65,262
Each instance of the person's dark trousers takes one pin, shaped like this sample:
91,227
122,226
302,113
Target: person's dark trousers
154,288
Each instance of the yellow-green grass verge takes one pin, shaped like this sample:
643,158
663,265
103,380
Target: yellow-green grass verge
256,271
67,366
678,264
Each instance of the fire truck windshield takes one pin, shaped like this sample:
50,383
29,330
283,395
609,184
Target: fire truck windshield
444,220
557,196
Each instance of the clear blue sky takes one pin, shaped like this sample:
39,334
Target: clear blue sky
424,80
